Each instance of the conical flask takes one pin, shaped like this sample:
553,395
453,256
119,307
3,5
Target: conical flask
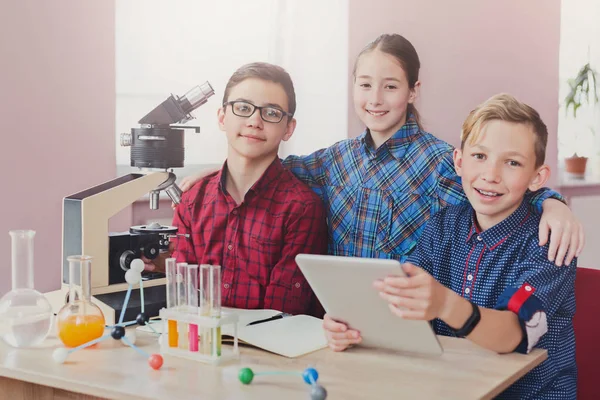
80,320
25,314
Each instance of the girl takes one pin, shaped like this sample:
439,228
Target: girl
381,187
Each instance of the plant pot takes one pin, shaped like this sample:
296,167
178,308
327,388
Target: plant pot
575,166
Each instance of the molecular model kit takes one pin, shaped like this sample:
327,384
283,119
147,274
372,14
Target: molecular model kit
309,375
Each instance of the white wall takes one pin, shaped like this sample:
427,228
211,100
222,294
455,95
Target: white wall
210,40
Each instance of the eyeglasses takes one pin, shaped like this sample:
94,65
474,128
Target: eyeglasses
268,114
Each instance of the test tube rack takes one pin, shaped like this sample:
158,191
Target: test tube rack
209,352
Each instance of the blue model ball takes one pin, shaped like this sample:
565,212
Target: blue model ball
310,375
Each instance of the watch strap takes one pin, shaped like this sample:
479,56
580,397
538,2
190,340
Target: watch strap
470,323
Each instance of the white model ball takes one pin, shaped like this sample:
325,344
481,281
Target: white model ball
130,335
132,277
60,355
137,265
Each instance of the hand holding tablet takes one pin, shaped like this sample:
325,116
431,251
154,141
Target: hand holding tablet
344,286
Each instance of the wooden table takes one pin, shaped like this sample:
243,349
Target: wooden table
115,371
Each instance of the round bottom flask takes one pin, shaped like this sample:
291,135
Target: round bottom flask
80,320
25,314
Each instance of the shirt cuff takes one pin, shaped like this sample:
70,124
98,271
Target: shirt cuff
530,311
537,198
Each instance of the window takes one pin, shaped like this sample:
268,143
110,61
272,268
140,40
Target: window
169,47
579,44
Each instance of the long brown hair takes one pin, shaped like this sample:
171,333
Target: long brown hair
403,51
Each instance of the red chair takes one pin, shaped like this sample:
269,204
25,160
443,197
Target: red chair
587,333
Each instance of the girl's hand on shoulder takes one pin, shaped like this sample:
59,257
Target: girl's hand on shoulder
417,296
566,232
188,181
339,336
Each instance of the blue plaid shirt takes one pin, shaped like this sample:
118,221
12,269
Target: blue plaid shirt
504,268
378,200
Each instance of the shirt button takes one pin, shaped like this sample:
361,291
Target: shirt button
528,288
297,285
469,277
479,238
230,247
234,212
226,286
467,290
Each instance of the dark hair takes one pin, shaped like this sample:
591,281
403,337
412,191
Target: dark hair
400,48
267,72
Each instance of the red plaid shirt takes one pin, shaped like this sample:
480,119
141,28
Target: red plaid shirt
255,242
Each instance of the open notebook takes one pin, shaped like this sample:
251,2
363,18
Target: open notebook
291,336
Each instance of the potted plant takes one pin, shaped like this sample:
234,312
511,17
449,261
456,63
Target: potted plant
583,90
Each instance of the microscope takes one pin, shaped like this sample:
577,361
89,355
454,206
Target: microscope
156,146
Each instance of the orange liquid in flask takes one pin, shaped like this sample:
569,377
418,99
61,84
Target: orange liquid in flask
76,330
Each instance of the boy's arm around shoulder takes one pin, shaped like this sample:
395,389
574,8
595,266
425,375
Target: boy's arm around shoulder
305,232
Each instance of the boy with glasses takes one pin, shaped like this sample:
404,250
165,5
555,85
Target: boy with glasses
253,216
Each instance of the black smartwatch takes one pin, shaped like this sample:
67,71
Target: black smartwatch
470,323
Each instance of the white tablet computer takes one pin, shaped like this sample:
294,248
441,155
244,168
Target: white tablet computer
344,286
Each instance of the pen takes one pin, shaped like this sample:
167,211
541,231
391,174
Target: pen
273,318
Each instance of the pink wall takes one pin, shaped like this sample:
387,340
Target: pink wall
57,105
470,50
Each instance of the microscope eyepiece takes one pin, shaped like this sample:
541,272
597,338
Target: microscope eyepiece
195,97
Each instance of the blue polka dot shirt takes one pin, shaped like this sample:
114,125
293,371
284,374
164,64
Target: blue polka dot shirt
504,268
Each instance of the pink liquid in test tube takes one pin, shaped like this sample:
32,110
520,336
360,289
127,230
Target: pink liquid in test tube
193,337
192,290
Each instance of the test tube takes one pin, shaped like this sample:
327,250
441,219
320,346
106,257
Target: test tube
192,297
182,303
215,307
171,274
205,306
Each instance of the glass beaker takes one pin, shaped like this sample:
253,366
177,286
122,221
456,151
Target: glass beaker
25,314
80,320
